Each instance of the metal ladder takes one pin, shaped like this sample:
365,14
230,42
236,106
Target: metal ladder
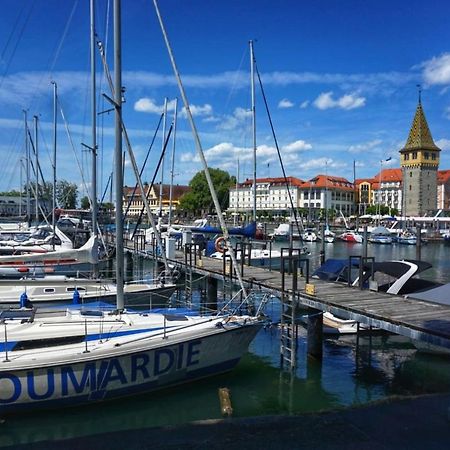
288,332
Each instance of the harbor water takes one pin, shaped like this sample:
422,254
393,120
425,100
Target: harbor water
354,371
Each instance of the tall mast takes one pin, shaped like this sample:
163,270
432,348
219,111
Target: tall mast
94,129
36,154
27,167
252,79
118,153
55,116
162,164
175,114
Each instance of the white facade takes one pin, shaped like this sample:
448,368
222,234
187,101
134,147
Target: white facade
271,195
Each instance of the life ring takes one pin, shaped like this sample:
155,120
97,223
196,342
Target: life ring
220,245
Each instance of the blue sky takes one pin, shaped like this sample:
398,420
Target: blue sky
340,78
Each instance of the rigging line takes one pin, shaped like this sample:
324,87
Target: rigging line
101,100
236,78
49,72
106,188
45,143
38,169
17,43
279,153
63,37
143,165
69,136
16,22
161,158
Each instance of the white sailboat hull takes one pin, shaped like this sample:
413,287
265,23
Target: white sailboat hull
116,368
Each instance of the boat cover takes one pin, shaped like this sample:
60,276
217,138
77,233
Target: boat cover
440,294
247,231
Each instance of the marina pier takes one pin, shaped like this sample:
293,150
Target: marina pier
419,320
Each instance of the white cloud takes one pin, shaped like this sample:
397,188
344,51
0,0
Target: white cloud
297,146
304,104
365,146
285,103
321,163
203,110
148,105
226,154
437,70
443,144
240,117
348,101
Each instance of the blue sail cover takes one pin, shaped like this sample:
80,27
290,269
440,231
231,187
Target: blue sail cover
247,231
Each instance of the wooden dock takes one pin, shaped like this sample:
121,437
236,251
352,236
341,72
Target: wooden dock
420,320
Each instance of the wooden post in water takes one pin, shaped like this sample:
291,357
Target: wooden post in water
418,242
322,237
364,255
225,402
212,293
315,335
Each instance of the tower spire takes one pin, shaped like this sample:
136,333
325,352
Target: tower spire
419,88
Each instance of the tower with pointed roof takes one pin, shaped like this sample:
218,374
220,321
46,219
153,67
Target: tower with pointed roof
419,160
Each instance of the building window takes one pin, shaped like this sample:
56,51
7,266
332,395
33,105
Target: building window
410,174
427,155
410,187
406,156
433,156
414,155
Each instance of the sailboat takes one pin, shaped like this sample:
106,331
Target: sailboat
82,356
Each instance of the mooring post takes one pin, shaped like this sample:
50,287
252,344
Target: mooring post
211,295
418,241
322,237
315,335
364,255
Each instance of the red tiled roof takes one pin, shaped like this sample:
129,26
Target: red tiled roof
330,182
292,181
443,176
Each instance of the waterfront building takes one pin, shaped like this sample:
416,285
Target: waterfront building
443,189
384,189
153,196
419,161
272,195
327,192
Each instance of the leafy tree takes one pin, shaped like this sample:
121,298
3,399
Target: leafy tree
12,193
85,204
66,194
198,200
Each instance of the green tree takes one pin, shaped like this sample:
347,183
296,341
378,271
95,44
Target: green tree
198,200
66,194
84,202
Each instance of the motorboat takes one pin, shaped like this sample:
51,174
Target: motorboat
328,236
351,236
258,257
406,237
283,233
380,235
309,235
380,239
393,277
